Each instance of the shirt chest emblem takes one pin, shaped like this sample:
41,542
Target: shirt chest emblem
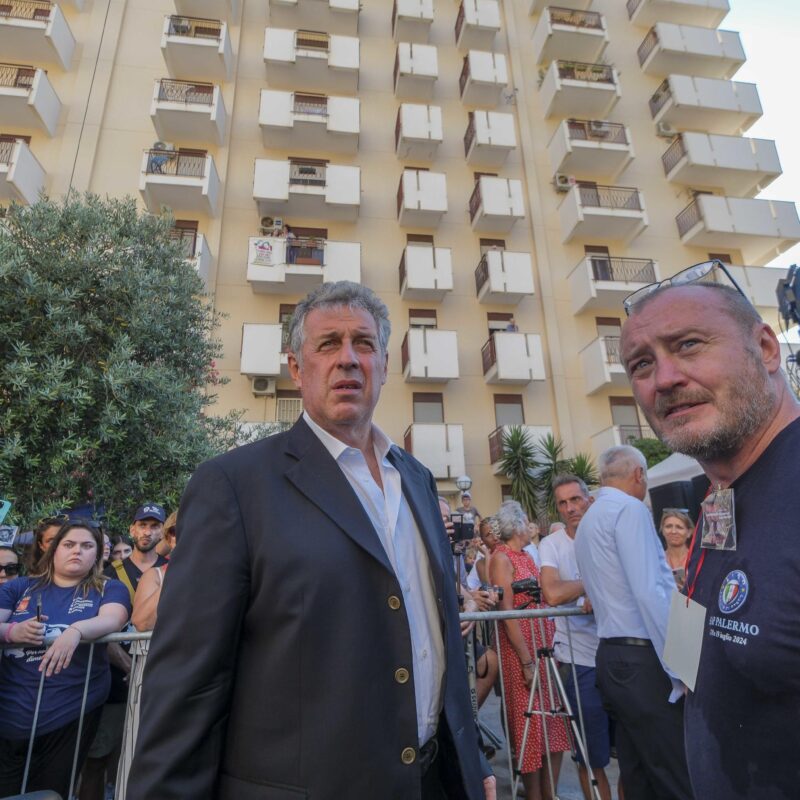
733,592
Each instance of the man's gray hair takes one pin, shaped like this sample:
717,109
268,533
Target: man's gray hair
511,518
338,295
563,478
619,462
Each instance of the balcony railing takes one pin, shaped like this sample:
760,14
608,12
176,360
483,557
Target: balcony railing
496,444
7,149
38,10
462,79
629,433
460,19
398,127
673,154
612,349
285,335
402,270
16,77
647,45
400,196
659,98
580,71
175,162
475,201
626,270
632,5
407,440
306,250
596,130
187,239
578,19
469,136
185,92
314,104
488,354
195,27
689,217
404,352
481,274
610,197
302,174
312,40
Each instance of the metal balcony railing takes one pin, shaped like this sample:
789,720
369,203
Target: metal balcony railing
481,274
610,197
577,19
189,92
496,445
402,270
469,136
660,97
7,146
625,270
673,154
285,335
460,19
647,45
611,345
462,79
475,201
404,352
17,77
394,16
632,5
596,130
629,433
689,217
305,250
312,40
488,354
195,27
396,71
175,162
37,10
314,104
304,174
400,196
581,71
187,239
398,127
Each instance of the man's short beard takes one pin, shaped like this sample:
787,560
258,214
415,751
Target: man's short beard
151,546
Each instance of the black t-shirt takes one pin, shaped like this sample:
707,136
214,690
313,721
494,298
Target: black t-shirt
743,719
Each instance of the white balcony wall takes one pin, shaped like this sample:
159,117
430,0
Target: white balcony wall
600,371
579,94
209,9
537,6
759,284
553,38
333,16
428,273
586,291
22,179
480,26
261,355
495,137
190,193
519,359
706,13
47,40
509,278
501,204
187,122
587,221
203,261
421,131
413,20
424,200
417,70
689,50
603,155
486,79
197,58
36,106
432,356
440,448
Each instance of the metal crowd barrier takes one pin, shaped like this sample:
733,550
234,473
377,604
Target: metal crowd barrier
550,705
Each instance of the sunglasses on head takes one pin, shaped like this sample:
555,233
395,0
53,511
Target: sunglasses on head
10,569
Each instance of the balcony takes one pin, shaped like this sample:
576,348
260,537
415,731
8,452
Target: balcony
602,365
35,30
705,13
603,282
537,6
416,69
311,61
489,138
759,284
716,106
197,49
496,204
191,112
572,88
483,78
736,165
421,198
311,189
760,229
591,148
418,131
438,446
295,266
216,9
513,358
613,213
429,355
298,120
264,351
198,253
183,180
27,99
687,50
334,16
477,24
412,20
567,33
534,434
426,273
503,277
620,434
22,178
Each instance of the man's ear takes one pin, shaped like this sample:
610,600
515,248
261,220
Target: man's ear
591,499
769,347
294,370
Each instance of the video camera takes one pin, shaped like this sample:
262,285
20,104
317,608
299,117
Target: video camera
462,531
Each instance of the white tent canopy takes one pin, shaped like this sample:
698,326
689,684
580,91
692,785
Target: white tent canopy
676,467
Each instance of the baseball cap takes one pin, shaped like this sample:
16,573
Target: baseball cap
150,511
466,494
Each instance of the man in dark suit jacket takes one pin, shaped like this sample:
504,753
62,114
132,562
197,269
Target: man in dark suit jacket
308,642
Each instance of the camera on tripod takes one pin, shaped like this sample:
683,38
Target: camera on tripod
529,586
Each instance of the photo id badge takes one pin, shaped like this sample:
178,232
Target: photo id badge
684,642
719,521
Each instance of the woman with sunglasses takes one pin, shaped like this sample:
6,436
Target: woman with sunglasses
676,530
9,564
68,598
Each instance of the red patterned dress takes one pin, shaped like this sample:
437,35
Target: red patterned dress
517,694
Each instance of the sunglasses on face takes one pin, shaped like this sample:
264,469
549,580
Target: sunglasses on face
10,569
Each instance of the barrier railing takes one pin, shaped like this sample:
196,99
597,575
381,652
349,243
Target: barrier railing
16,77
37,10
174,91
673,154
195,27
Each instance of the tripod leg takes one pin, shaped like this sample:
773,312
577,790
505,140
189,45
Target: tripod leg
469,645
541,662
512,775
529,714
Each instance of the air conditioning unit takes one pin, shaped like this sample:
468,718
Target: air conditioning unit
665,130
263,387
598,127
564,182
163,146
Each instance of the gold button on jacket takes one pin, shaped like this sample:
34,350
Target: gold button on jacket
409,755
394,602
401,675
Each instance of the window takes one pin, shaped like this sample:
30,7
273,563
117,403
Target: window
625,416
478,175
600,260
422,317
508,410
184,231
498,321
725,258
608,326
505,492
288,406
284,315
428,407
492,244
419,238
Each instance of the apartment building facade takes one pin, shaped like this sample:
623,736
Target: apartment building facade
501,172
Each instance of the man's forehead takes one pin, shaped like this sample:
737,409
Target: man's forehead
568,491
339,317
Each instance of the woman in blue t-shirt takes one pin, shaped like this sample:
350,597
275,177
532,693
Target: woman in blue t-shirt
70,599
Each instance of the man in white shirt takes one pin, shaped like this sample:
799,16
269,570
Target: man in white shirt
576,637
624,572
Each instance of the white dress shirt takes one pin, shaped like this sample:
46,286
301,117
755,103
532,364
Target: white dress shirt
624,570
397,530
